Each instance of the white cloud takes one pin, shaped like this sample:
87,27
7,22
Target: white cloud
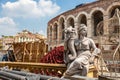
7,26
30,8
42,32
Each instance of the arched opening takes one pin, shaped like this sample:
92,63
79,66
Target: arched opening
112,10
97,17
62,27
70,22
50,48
114,23
82,19
55,31
50,33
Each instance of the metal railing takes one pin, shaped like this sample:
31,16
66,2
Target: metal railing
43,68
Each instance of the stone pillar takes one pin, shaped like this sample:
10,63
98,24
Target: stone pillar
89,25
49,37
76,24
105,26
58,35
52,36
48,34
49,40
65,26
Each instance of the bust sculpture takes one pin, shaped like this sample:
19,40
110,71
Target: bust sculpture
79,51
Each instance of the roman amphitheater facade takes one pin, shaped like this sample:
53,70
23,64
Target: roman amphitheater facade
90,14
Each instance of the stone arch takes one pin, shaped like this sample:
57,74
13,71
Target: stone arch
62,16
70,21
82,18
96,17
56,22
61,27
96,9
112,7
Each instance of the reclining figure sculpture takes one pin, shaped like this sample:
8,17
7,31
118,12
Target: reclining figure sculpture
78,51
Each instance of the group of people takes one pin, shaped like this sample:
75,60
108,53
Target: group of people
9,56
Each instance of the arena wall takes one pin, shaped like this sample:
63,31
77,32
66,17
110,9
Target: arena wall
90,14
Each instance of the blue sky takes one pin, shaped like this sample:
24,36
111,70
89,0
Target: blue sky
32,15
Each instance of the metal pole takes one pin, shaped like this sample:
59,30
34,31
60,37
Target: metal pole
12,76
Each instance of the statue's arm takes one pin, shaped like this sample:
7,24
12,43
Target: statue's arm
96,50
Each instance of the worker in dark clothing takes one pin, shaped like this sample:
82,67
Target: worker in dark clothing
5,57
11,55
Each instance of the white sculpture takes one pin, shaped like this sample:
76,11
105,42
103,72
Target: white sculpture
80,51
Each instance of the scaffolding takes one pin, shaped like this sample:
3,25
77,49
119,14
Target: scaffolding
29,51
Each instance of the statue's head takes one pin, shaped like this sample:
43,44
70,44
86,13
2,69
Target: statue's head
82,30
70,31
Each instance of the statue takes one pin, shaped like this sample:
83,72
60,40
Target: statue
79,51
70,53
